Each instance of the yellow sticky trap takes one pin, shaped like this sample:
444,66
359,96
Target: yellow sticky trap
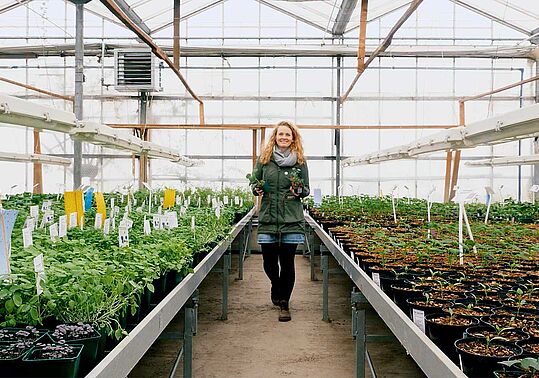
74,203
101,207
170,198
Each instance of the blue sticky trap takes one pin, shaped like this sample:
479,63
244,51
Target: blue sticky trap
88,198
7,222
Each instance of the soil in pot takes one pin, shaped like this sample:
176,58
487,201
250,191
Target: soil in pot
54,360
444,329
510,335
80,334
479,357
406,291
12,335
530,346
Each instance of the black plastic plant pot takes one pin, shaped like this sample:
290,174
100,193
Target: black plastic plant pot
427,307
11,359
403,292
386,282
445,335
511,374
90,351
478,366
12,334
530,347
512,335
59,367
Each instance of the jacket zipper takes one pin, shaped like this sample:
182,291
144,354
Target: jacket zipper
278,188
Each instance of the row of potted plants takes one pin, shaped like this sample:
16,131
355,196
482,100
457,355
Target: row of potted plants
480,307
97,288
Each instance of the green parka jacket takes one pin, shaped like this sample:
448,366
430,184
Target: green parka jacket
281,211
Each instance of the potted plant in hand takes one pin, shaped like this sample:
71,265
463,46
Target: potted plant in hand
296,180
253,180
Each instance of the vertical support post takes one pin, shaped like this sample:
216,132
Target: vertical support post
338,131
324,263
455,175
190,319
447,181
79,80
226,273
38,167
362,36
359,303
176,41
241,252
536,139
144,135
452,162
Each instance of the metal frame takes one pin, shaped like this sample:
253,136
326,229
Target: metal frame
505,161
430,359
121,360
343,17
34,158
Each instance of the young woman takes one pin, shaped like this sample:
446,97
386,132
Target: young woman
283,169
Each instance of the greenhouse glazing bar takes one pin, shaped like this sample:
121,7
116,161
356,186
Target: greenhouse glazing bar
425,353
121,360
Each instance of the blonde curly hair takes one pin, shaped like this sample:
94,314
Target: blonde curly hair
296,146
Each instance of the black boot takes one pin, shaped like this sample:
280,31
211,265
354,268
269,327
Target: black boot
284,312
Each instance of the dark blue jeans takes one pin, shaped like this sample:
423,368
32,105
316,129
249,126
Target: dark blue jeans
279,267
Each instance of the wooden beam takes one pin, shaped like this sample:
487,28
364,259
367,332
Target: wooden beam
262,139
38,168
447,180
246,126
255,155
384,45
455,175
362,36
501,89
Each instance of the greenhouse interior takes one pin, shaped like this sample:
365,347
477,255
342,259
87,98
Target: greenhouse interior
268,188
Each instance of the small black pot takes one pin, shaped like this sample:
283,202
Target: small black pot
524,343
403,292
445,335
473,332
477,366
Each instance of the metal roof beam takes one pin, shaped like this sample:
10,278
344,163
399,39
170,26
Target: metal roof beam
343,17
190,14
492,17
293,15
13,5
133,16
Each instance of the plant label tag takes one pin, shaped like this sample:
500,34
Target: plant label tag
317,197
39,268
186,203
30,223
98,221
72,220
129,223
123,199
163,222
34,211
62,226
53,231
376,278
534,189
236,200
134,202
225,200
161,201
106,226
46,205
147,228
183,211
193,223
160,210
208,199
214,203
27,238
198,201
241,202
48,217
418,316
218,212
82,222
172,219
178,199
156,222
123,236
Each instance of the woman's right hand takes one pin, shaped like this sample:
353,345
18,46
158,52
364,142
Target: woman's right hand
259,191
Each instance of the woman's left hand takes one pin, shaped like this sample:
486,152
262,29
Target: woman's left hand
293,191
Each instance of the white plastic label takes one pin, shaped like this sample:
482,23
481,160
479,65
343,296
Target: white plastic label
48,217
106,226
156,221
193,223
46,206
236,200
72,220
418,316
53,231
39,268
317,197
376,278
147,228
34,211
123,236
172,219
534,189
112,203
30,224
218,212
225,200
27,238
98,221
62,226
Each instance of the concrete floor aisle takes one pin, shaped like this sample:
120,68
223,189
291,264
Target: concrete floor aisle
252,343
